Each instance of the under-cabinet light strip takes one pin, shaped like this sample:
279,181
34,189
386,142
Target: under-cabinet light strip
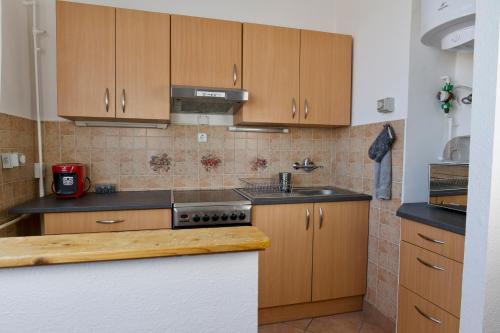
258,129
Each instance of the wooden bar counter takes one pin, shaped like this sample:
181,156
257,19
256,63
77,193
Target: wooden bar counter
74,248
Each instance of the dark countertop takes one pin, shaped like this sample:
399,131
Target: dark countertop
286,198
434,216
93,202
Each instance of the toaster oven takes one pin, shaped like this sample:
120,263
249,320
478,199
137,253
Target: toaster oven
448,184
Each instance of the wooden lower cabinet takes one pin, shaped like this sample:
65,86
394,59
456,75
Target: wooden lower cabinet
315,265
340,249
430,279
125,220
416,315
285,268
434,277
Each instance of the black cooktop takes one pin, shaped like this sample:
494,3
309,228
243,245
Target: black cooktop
208,197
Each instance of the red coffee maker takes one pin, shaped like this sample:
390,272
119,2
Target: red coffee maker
69,180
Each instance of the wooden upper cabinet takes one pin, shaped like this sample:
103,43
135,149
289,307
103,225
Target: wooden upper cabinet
285,268
85,60
325,78
206,52
270,74
142,65
340,249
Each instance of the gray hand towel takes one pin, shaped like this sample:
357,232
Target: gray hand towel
382,177
382,143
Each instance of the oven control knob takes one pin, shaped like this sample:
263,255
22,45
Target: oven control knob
242,216
224,217
215,217
206,218
233,216
196,218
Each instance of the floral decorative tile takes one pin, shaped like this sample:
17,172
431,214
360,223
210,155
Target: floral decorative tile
259,164
210,162
160,162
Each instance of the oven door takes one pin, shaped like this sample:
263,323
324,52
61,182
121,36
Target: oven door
448,184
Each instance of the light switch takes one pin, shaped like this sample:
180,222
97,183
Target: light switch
6,163
14,160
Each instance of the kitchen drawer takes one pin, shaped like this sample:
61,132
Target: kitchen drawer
443,242
416,315
434,277
125,220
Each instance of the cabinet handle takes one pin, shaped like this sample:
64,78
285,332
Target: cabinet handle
425,315
320,217
110,221
431,239
308,218
294,108
106,100
306,108
235,74
123,100
425,263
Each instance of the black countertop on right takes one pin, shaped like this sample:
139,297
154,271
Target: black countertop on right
434,216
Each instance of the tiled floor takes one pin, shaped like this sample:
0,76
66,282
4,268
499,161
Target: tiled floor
343,323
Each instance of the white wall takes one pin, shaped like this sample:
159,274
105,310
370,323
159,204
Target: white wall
381,31
462,76
214,293
425,125
480,310
16,96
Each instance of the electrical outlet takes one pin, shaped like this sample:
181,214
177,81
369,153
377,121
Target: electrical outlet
202,137
385,105
22,159
6,163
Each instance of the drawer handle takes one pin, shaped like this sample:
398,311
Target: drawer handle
425,315
110,221
425,263
431,239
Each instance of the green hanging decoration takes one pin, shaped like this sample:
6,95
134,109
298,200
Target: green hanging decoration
446,96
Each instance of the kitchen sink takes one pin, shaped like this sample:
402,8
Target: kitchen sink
314,191
297,192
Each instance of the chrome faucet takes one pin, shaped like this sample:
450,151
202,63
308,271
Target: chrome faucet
307,164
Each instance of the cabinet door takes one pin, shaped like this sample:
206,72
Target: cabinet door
206,52
325,78
270,74
85,61
340,249
285,268
142,65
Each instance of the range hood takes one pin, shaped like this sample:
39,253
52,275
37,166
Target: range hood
207,100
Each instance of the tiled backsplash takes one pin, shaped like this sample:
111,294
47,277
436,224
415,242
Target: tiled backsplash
17,184
140,159
354,170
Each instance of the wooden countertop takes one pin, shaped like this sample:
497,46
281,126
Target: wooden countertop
62,249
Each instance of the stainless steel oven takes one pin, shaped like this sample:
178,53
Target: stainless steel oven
448,184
